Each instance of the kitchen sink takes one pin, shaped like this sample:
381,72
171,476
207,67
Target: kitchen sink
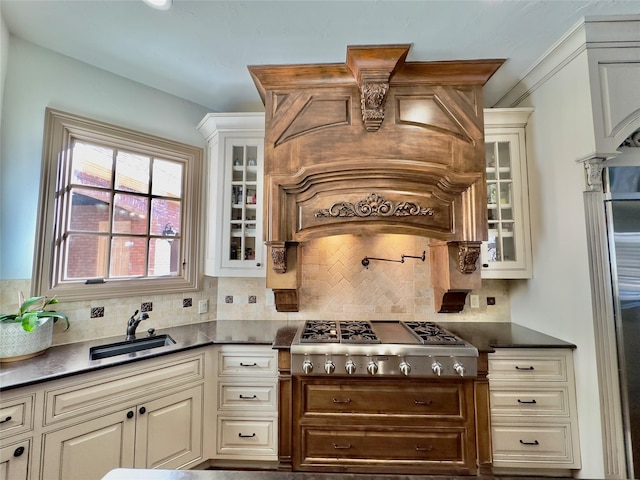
131,346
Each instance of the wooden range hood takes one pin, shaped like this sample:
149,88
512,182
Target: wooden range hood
376,145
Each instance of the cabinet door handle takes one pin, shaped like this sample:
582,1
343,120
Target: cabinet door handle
246,436
535,442
422,402
142,410
8,419
424,449
246,397
130,414
254,364
18,451
530,402
524,368
346,400
341,447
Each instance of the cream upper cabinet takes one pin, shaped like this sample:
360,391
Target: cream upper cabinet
507,254
234,241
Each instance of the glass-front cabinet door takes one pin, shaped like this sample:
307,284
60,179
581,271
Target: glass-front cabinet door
234,244
507,254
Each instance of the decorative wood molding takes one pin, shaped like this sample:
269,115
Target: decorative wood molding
468,254
278,252
594,167
632,140
375,206
372,99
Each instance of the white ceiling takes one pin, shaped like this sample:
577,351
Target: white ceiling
199,50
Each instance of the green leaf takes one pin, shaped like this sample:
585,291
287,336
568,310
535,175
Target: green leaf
29,321
30,304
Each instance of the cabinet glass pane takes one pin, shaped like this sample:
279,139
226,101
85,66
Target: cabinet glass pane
501,244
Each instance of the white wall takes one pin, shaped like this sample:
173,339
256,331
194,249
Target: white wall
37,78
557,300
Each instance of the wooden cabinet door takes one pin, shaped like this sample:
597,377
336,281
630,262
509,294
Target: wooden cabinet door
14,461
90,449
169,430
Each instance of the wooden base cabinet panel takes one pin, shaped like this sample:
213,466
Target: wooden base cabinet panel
14,460
392,426
541,443
90,449
169,433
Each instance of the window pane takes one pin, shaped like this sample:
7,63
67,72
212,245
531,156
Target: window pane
86,256
90,210
165,217
132,172
128,257
91,165
130,214
164,257
167,179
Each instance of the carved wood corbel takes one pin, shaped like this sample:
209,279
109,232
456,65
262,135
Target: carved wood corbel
372,68
468,254
278,252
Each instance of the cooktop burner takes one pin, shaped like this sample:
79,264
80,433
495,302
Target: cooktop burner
433,334
342,332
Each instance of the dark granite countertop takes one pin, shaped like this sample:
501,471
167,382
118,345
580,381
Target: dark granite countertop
65,360
487,336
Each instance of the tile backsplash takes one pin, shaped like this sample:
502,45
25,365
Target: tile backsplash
335,285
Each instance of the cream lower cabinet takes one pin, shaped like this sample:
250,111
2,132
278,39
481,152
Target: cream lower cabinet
162,433
534,424
147,414
247,415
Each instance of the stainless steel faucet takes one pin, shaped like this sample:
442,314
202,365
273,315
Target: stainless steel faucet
133,323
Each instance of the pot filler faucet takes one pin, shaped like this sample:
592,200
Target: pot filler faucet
133,323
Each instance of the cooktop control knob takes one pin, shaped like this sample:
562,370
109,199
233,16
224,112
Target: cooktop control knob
307,366
329,366
350,367
436,367
372,367
459,368
405,368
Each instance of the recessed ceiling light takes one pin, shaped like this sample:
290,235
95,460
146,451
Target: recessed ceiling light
159,4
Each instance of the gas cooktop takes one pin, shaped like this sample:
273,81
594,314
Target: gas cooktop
376,347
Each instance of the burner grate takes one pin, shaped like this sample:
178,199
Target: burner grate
357,332
431,333
320,331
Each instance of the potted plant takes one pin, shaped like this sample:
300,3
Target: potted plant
29,331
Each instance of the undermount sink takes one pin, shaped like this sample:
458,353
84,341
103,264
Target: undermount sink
131,346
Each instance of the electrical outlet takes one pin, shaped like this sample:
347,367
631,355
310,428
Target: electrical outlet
474,300
203,306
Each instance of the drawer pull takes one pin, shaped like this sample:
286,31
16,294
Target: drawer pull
528,402
8,419
246,436
529,368
422,402
346,400
535,442
254,364
341,447
18,451
424,449
246,397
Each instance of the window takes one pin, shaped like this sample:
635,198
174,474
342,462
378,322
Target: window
119,212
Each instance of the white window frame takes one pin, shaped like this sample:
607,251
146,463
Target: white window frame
60,130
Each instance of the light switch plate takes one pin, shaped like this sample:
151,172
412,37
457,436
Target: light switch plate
474,300
203,306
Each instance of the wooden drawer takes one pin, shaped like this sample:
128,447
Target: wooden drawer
371,397
324,445
246,396
531,401
518,444
246,436
534,365
16,415
247,363
94,396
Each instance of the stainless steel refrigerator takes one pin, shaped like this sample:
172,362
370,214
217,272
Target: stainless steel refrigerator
622,202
